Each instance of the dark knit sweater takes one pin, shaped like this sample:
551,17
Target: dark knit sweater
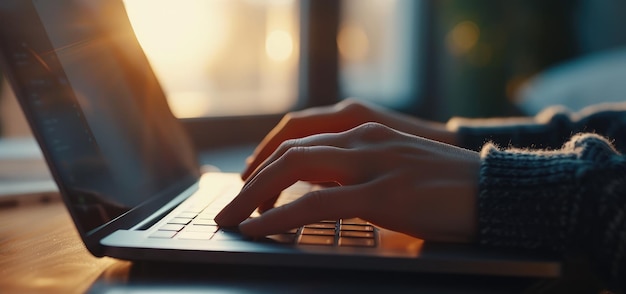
568,195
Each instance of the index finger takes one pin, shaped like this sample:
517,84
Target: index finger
315,163
326,204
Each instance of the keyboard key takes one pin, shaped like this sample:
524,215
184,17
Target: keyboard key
171,227
187,214
356,234
212,212
194,209
317,240
321,226
179,221
204,222
194,235
202,229
326,232
206,216
354,221
163,234
356,242
366,228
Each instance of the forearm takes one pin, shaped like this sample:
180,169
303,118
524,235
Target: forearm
548,130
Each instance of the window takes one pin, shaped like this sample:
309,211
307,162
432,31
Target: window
379,50
240,64
241,57
231,68
221,58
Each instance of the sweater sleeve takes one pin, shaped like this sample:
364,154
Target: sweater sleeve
548,130
573,198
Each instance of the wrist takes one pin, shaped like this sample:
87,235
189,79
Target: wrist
438,132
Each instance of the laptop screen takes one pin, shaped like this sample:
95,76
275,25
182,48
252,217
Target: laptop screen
95,106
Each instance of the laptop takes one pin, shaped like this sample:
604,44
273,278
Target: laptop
128,173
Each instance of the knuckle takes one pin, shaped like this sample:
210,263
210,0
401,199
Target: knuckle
292,115
372,131
294,153
374,126
286,120
291,119
349,103
288,116
316,201
352,107
288,144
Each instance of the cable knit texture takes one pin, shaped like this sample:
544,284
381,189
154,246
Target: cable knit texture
544,188
555,200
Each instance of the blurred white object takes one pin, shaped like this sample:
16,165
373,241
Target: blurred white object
594,79
24,175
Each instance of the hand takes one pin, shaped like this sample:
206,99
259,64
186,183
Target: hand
398,181
338,118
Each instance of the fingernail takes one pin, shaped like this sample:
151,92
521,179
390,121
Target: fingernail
220,216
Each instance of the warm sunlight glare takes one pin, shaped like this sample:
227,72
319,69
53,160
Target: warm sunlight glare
279,45
221,57
178,31
181,38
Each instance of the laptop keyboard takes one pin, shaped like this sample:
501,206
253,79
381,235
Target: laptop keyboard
343,233
196,222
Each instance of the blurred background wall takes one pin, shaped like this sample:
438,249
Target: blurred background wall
492,49
431,58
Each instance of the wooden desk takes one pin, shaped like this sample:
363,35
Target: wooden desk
40,251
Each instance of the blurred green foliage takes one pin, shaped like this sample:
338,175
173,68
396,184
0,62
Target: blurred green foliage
489,48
